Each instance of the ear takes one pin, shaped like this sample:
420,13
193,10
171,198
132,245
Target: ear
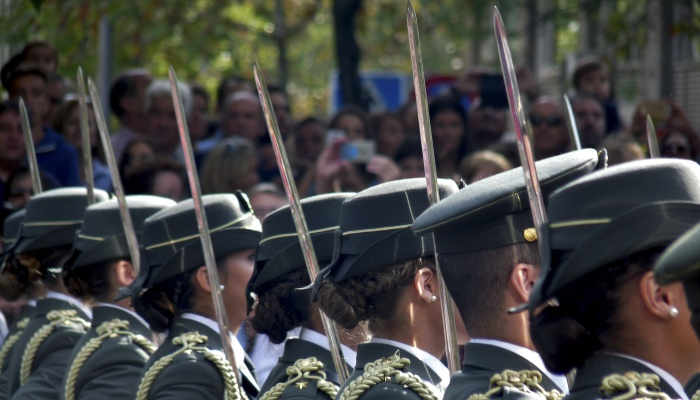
522,280
425,283
658,300
202,279
124,273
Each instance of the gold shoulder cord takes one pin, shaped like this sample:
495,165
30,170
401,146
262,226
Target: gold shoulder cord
387,369
66,318
300,374
10,341
633,385
528,381
192,342
696,396
109,329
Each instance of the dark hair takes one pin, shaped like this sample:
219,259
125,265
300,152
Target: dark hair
222,91
10,105
308,121
354,111
91,281
48,182
450,104
568,334
39,43
198,90
276,312
477,282
371,297
18,73
141,180
25,272
584,68
410,147
123,86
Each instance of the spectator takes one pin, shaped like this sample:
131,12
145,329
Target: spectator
54,155
680,143
266,198
162,130
388,132
231,165
550,132
198,122
592,78
20,187
590,118
409,118
409,159
352,121
229,85
242,116
56,90
280,102
487,124
162,177
137,154
309,139
41,55
67,121
668,118
12,152
449,124
622,148
127,100
483,164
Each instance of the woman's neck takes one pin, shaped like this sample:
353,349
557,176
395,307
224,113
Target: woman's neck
418,335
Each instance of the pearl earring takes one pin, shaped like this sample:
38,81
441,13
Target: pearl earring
673,312
433,299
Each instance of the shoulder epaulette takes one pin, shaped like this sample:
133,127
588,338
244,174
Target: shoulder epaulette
300,374
387,370
632,385
192,342
527,381
64,318
11,340
109,329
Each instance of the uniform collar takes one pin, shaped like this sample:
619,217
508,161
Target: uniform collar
530,355
318,339
126,310
663,374
70,299
238,351
426,358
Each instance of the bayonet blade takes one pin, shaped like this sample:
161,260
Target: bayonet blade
127,223
573,127
426,138
29,146
652,139
298,215
85,137
203,226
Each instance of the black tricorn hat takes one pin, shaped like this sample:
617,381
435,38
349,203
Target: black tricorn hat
614,213
681,260
279,252
11,229
101,237
171,242
375,227
495,211
53,217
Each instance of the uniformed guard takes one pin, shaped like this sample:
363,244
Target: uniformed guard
39,359
489,257
305,369
382,274
679,263
9,292
599,308
177,297
108,361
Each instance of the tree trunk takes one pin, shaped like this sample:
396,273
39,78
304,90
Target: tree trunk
281,42
348,52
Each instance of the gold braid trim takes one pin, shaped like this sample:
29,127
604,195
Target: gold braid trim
528,381
696,396
67,318
300,373
109,329
10,341
387,369
192,342
633,385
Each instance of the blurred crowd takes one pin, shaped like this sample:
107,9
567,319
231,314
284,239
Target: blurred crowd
470,125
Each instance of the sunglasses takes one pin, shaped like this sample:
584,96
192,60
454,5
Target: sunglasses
672,148
550,121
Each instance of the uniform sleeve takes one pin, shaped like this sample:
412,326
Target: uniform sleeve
188,378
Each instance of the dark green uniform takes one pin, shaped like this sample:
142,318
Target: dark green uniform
693,385
483,361
384,371
201,373
112,357
9,345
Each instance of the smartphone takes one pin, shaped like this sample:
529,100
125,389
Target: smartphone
358,151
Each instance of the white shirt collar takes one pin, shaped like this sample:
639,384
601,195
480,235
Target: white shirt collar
430,360
32,302
238,351
69,299
126,310
319,339
530,355
670,379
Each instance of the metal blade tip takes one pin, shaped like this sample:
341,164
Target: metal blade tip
411,11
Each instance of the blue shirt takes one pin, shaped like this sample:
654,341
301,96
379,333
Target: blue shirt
58,158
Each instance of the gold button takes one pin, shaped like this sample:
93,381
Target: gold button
530,234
